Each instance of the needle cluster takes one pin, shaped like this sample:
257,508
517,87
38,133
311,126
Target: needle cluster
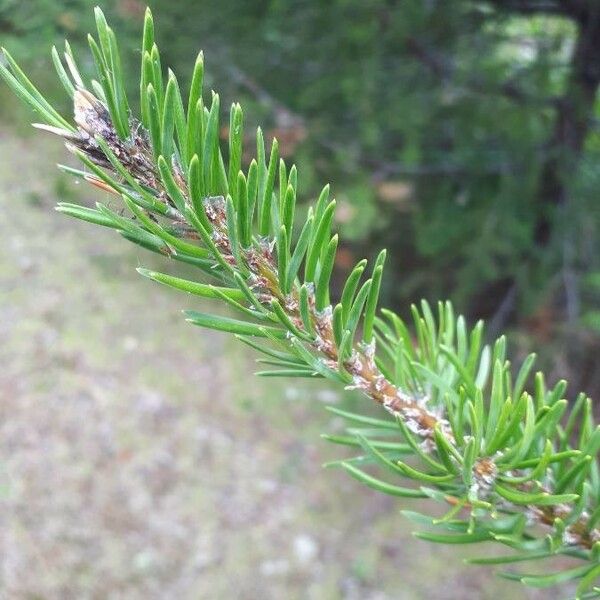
506,454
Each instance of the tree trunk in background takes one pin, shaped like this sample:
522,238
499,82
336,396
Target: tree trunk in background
574,116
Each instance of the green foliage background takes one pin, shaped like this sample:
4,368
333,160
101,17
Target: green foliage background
432,119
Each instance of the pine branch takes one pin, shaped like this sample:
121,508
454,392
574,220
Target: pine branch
511,465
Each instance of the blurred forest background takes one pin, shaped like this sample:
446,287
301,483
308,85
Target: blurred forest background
464,136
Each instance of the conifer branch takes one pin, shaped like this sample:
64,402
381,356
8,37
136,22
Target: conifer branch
507,460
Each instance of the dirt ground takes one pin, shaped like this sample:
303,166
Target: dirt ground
139,456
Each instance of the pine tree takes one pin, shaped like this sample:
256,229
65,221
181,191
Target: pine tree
513,464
